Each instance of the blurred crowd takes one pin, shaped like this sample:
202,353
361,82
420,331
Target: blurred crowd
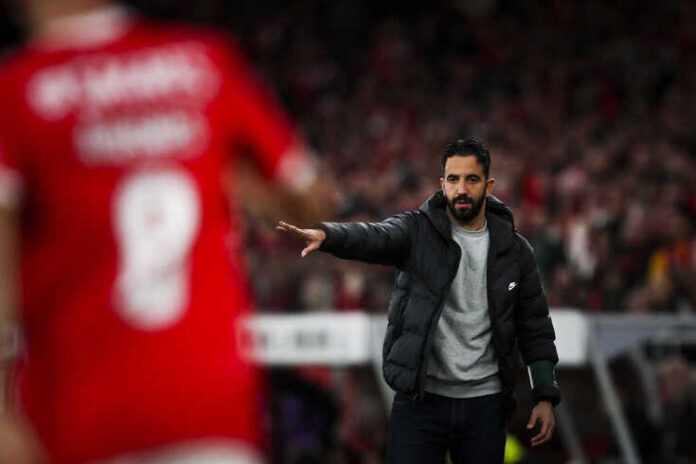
586,108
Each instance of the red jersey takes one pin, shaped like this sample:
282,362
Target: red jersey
131,290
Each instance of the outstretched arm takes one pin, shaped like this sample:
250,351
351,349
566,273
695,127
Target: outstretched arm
387,242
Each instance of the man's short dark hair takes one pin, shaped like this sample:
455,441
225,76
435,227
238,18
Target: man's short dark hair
468,147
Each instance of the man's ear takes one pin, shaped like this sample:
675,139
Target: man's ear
490,184
442,184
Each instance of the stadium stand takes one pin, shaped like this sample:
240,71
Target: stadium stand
588,109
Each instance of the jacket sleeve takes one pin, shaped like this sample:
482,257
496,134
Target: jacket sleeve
387,242
535,334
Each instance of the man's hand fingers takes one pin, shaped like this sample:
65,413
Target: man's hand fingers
282,225
549,434
312,237
313,246
285,227
532,420
544,434
539,438
542,438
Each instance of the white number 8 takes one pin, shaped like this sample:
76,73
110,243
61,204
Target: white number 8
156,217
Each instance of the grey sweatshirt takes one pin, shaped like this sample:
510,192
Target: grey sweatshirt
463,362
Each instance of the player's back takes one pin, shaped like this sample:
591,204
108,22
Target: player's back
130,288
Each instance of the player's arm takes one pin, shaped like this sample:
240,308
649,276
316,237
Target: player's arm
17,442
287,179
8,286
303,191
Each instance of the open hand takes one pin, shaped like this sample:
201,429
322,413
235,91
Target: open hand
312,237
543,412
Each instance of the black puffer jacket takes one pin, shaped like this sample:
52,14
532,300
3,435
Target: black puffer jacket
419,243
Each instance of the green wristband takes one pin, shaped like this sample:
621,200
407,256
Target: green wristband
542,373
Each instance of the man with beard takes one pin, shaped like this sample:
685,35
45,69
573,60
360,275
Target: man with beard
467,292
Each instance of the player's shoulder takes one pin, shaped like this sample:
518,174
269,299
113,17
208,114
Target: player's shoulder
168,31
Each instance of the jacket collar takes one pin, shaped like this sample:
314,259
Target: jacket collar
434,208
501,222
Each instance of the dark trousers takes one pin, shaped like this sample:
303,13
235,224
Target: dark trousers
472,430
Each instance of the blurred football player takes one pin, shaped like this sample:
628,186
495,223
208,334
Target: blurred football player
117,246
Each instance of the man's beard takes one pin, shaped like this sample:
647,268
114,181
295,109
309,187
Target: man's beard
468,214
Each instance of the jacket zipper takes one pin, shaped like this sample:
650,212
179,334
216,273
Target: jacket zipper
431,331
